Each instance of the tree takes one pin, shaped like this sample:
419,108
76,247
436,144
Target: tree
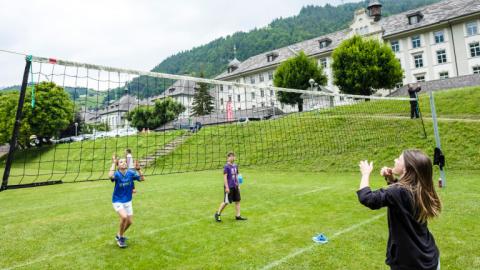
53,112
361,66
149,117
202,100
8,110
296,73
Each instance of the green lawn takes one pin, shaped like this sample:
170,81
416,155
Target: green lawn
82,161
324,140
71,226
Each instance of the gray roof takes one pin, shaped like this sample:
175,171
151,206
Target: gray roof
432,14
124,104
180,87
310,47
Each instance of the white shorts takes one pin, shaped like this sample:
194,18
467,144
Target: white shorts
126,206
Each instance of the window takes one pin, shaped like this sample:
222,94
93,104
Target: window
229,87
420,78
238,98
475,49
476,70
271,56
229,98
272,103
324,43
252,79
395,46
271,92
221,88
262,93
221,101
415,17
323,62
472,28
260,77
443,75
263,104
270,75
413,20
416,42
253,95
439,38
441,56
398,85
418,60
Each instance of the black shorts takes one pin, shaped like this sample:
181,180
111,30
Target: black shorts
233,196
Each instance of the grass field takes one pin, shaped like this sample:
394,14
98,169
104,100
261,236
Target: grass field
301,180
71,226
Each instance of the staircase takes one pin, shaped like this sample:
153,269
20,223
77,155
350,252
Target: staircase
165,150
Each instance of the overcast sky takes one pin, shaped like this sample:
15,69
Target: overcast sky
125,33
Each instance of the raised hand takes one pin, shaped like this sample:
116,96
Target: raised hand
365,167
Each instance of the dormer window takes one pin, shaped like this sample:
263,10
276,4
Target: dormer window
414,18
324,43
171,90
272,56
231,69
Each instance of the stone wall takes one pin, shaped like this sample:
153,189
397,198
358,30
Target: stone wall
455,82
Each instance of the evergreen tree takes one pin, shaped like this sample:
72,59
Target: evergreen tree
202,100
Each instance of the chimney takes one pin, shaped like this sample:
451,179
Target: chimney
375,10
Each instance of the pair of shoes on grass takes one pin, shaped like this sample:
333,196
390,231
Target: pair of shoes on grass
218,218
121,241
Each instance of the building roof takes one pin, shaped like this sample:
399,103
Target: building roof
395,24
310,47
432,14
179,87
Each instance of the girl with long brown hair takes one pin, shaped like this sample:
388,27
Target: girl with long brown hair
411,200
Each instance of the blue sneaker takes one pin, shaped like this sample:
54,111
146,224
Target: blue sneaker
121,242
320,239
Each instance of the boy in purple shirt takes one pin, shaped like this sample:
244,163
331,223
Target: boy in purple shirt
231,188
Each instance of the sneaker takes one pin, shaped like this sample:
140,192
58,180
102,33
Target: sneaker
240,218
217,217
320,239
121,242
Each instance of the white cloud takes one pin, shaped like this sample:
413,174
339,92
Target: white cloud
125,33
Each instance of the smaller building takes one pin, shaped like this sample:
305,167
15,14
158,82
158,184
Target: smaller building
182,91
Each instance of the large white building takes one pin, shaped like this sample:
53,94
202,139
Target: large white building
438,41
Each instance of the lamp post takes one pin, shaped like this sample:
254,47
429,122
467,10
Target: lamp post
311,82
76,129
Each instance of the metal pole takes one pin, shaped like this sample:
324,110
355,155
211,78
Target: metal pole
437,136
16,125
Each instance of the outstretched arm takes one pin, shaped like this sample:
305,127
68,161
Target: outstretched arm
139,170
111,172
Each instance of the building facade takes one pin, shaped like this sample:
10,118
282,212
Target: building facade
438,41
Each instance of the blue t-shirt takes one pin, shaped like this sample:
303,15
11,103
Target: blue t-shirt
231,170
122,192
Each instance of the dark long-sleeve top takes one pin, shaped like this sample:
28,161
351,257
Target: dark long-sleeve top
410,244
412,92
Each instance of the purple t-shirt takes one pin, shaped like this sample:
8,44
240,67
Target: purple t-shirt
231,170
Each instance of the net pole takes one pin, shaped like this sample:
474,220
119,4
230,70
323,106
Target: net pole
16,125
437,136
